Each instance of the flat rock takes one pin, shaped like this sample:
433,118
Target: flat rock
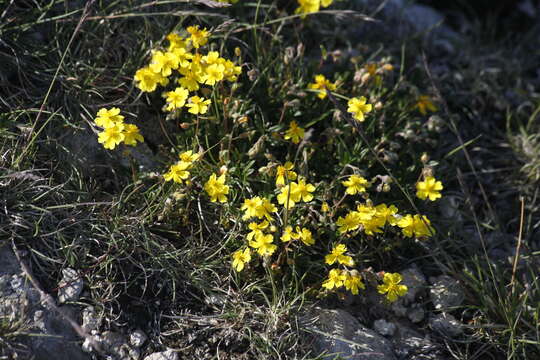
446,292
338,333
446,324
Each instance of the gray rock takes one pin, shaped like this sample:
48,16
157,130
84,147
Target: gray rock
410,344
446,293
338,333
399,309
137,338
44,333
446,324
416,313
415,281
384,327
164,355
70,287
90,320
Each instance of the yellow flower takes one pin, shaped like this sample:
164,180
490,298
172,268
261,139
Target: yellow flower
429,188
337,254
198,105
321,84
214,73
302,190
424,103
356,185
147,80
256,229
189,156
350,222
178,172
308,6
335,279
111,136
240,258
285,172
305,236
183,56
295,133
288,234
215,188
251,207
422,226
267,209
417,226
198,37
386,214
132,135
176,99
263,244
176,41
358,107
288,198
391,286
324,207
353,282
164,63
107,118
258,207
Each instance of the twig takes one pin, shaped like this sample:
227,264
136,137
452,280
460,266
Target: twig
520,237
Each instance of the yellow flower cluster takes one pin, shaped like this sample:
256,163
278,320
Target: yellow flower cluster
322,84
350,279
371,219
179,171
194,69
263,209
115,131
311,6
262,243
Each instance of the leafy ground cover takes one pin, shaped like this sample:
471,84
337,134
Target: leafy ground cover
303,170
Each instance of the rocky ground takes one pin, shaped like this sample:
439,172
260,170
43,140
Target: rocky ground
418,326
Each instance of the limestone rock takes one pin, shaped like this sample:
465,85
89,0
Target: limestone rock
446,292
70,287
164,355
338,333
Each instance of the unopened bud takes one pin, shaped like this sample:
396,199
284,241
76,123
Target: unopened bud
223,170
424,158
185,125
237,51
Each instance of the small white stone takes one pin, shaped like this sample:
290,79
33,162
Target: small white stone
70,287
164,355
137,338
